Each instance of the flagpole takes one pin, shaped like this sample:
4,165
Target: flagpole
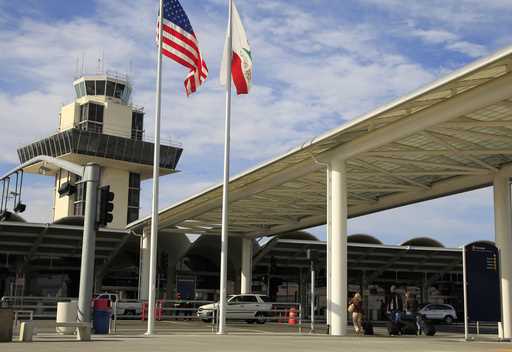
156,175
225,210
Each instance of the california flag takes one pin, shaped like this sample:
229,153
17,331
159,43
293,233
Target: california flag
241,64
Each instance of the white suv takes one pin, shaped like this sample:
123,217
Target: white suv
444,312
249,307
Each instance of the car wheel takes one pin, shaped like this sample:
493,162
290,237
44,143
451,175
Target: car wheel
260,318
207,320
250,321
448,319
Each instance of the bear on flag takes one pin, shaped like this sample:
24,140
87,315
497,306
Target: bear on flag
241,64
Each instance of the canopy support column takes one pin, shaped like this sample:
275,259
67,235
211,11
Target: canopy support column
145,244
503,235
338,248
246,272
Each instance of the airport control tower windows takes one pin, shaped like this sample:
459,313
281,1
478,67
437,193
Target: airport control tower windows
100,87
110,88
80,89
89,88
133,197
91,117
137,125
118,92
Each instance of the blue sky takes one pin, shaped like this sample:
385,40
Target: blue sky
317,64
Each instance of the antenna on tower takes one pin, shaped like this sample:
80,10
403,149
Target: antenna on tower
83,63
77,65
100,67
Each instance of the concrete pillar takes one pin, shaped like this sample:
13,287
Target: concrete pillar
503,234
246,266
145,244
338,248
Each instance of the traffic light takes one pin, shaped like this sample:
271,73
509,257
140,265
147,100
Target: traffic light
106,206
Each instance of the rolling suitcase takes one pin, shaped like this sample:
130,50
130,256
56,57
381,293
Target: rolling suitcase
368,328
393,328
429,329
409,327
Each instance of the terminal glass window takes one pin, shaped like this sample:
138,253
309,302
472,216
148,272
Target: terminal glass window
133,197
79,202
137,125
91,117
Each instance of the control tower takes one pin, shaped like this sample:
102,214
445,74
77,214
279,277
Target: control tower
102,126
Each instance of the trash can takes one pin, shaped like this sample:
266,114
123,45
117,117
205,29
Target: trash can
6,322
101,321
67,312
101,316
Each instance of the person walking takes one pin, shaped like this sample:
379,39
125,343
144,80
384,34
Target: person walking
394,305
355,307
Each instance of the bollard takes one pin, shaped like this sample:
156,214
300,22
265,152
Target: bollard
144,310
292,316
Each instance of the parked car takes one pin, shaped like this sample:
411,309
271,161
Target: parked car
123,308
443,312
249,307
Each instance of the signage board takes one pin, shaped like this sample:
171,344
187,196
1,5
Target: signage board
482,278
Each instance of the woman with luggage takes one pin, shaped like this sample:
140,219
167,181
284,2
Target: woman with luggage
355,307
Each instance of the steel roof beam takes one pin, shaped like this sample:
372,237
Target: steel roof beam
462,104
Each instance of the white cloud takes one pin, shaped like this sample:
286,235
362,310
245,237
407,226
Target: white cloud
470,49
452,13
450,41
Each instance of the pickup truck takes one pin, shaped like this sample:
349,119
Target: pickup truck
249,307
123,308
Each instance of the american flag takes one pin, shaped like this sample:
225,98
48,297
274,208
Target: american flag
179,43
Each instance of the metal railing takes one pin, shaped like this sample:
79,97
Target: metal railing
46,308
41,307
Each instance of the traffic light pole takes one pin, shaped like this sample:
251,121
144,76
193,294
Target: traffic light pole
91,179
90,175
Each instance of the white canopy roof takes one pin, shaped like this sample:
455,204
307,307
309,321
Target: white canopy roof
449,137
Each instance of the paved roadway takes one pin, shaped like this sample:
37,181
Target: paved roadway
185,336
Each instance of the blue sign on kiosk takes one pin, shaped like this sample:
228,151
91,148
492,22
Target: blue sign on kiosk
482,278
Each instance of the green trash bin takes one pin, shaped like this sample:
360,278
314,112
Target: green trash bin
6,322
